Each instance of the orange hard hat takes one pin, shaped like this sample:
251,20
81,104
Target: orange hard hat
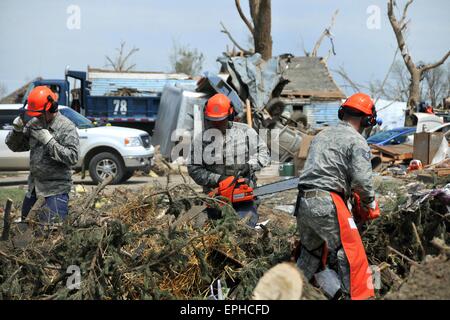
360,102
218,108
40,99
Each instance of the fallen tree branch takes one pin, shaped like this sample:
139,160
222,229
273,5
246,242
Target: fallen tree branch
99,188
440,244
25,263
419,242
91,199
403,256
7,220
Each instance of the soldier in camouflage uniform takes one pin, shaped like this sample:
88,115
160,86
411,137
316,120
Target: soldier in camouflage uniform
52,140
338,161
239,149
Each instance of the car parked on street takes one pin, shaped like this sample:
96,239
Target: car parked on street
104,151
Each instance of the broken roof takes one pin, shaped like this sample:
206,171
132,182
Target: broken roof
310,78
17,95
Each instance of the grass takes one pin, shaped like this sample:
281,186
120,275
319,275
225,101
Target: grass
15,194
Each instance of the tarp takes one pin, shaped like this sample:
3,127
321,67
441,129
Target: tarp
261,77
391,112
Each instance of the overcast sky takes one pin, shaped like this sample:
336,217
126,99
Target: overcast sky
36,39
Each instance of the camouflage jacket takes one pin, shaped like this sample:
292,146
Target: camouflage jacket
50,165
240,145
339,160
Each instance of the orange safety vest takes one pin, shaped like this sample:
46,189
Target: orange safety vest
361,285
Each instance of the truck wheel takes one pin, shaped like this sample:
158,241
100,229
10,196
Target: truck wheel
104,164
127,175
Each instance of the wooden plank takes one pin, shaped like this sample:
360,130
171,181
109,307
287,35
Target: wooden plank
387,159
249,113
304,146
300,160
7,220
442,172
398,152
405,156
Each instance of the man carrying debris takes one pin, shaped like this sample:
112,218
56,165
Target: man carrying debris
228,149
53,142
338,164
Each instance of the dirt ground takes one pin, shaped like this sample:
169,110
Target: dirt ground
429,281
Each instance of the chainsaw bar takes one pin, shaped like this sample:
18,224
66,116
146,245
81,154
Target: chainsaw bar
274,187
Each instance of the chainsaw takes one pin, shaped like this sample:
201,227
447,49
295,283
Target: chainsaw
289,184
235,189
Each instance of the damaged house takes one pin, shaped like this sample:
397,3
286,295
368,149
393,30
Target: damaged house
17,95
311,93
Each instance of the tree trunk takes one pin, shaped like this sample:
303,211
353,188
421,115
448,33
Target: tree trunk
414,90
261,12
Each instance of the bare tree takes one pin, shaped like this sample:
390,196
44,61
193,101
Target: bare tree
326,33
3,89
183,59
119,62
260,28
396,84
437,84
235,43
348,82
416,71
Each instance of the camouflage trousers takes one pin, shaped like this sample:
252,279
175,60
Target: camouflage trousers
317,223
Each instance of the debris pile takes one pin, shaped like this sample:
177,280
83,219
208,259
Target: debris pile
158,244
415,220
146,245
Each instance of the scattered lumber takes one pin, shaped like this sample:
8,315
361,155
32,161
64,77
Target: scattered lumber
395,154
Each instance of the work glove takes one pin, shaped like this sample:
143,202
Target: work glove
373,211
33,124
361,214
42,135
357,210
18,124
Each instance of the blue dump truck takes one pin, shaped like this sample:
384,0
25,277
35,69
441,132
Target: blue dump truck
129,99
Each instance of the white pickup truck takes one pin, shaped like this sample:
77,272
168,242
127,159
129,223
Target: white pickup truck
103,150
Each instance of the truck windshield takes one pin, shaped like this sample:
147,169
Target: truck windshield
79,121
